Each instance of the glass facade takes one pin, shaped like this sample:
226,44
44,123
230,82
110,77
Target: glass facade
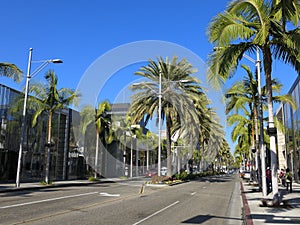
290,117
63,165
73,154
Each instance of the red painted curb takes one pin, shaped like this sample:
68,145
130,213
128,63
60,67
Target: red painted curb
248,216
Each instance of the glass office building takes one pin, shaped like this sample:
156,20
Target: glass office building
66,162
289,141
72,153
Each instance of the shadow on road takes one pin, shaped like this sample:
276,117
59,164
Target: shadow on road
216,179
203,218
50,188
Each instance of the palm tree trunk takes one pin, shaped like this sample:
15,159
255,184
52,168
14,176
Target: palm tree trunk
136,158
48,147
124,155
257,146
178,160
131,157
202,156
271,127
168,135
190,159
147,156
97,153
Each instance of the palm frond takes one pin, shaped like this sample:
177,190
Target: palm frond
10,70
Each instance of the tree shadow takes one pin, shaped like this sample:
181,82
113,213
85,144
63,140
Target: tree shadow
47,189
215,179
203,218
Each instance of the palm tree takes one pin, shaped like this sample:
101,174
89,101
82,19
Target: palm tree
224,154
179,89
151,143
244,94
102,121
241,133
135,132
48,99
87,117
10,70
245,26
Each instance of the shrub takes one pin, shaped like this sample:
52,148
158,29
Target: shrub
43,182
91,178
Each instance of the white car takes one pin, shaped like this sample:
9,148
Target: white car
163,171
247,175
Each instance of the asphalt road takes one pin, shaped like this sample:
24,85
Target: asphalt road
213,200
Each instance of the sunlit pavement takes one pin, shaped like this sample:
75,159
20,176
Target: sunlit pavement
287,213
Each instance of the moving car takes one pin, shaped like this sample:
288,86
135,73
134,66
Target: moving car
151,173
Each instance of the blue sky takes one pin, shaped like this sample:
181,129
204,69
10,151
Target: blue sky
80,32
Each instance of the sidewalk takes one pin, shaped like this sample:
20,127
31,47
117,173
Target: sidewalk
288,213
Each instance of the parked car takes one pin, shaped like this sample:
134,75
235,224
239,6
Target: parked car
151,173
246,175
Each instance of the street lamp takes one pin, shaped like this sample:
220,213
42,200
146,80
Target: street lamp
28,76
261,137
159,116
159,126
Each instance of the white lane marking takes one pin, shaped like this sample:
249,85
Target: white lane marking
109,195
159,211
47,200
193,193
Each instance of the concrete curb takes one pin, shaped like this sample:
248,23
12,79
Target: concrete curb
246,209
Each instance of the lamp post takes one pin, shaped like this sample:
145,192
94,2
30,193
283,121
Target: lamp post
261,137
159,125
159,113
28,77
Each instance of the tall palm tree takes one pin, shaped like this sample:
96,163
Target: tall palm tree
103,124
10,70
48,99
87,117
245,26
102,121
135,133
245,94
179,89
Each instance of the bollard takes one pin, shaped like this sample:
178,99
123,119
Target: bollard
289,186
142,189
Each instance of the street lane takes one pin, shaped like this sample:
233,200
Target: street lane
30,204
205,201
